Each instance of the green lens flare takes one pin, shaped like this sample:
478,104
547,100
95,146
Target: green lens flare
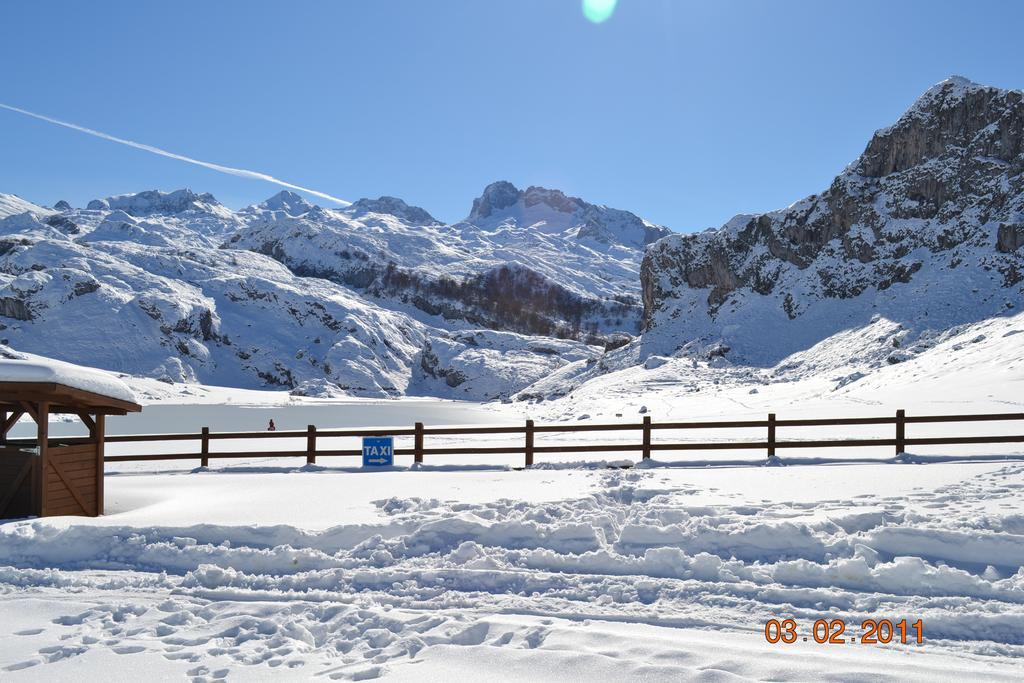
598,11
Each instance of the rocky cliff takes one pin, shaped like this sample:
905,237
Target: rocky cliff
924,228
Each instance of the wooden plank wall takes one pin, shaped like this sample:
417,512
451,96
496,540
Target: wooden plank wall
71,481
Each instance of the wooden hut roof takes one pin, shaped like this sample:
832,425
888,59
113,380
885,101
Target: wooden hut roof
67,388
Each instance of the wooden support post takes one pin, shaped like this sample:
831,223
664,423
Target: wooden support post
529,443
99,434
311,444
647,437
8,424
205,448
42,415
3,428
89,423
31,409
901,432
771,435
417,443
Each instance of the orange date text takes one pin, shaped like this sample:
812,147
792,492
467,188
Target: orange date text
836,632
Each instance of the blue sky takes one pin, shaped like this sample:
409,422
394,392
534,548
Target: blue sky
684,112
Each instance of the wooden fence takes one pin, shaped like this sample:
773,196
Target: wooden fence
529,449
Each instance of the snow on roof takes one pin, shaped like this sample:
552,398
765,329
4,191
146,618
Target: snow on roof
74,376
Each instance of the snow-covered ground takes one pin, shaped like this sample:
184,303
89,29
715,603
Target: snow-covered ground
260,568
653,574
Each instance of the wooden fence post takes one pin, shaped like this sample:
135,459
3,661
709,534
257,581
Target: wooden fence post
99,432
43,443
771,435
205,449
647,437
417,443
311,444
529,443
901,431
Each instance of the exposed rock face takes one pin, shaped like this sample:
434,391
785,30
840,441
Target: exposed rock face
507,297
17,309
981,122
1010,237
940,191
495,197
65,225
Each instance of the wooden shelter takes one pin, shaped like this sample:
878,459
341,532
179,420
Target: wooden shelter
48,477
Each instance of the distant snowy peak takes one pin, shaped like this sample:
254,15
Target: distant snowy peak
54,227
503,198
502,204
153,202
18,215
289,202
295,206
391,206
495,197
12,205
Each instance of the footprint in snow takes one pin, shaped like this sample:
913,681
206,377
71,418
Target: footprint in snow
361,675
503,639
534,638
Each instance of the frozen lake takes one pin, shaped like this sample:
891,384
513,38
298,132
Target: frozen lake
288,415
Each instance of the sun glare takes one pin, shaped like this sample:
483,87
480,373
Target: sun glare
598,11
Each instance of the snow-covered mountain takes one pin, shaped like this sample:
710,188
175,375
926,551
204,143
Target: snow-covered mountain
918,240
12,205
924,229
552,212
916,243
533,261
163,203
378,299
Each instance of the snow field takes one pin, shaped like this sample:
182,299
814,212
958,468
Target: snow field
263,568
652,573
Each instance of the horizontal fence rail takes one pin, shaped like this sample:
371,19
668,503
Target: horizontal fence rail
529,449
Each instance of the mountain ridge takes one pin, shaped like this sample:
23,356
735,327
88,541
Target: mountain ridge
941,188
919,235
170,276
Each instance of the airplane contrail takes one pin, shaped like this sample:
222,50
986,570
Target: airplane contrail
241,172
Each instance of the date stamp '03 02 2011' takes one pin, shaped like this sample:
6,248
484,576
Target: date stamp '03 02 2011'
824,631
